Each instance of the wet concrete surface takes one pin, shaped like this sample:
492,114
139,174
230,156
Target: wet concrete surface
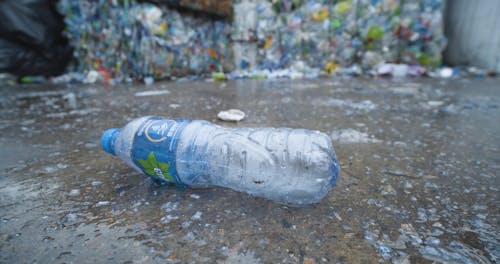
419,180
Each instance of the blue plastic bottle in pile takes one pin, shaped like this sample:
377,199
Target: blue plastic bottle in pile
294,166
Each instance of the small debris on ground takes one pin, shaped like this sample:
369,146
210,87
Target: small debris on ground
234,115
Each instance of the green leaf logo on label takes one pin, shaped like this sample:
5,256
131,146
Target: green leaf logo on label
156,169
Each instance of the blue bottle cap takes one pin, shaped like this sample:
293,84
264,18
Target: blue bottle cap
108,140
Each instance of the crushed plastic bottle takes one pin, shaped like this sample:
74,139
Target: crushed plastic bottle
294,166
346,33
124,40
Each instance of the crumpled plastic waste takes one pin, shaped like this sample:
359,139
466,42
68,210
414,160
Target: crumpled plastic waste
124,41
400,70
120,41
330,36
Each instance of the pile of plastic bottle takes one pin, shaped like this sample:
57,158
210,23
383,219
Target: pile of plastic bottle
348,36
117,41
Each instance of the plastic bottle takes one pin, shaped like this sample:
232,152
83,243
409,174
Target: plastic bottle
294,166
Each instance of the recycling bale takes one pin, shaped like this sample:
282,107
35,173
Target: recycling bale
125,41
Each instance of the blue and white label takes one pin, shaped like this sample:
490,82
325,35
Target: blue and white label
155,146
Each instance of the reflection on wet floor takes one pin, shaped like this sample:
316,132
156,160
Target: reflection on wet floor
419,180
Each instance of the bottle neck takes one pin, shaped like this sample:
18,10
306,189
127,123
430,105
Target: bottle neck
108,140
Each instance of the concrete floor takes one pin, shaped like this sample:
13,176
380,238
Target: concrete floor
419,180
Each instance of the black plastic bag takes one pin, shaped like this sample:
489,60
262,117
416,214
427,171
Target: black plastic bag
31,40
